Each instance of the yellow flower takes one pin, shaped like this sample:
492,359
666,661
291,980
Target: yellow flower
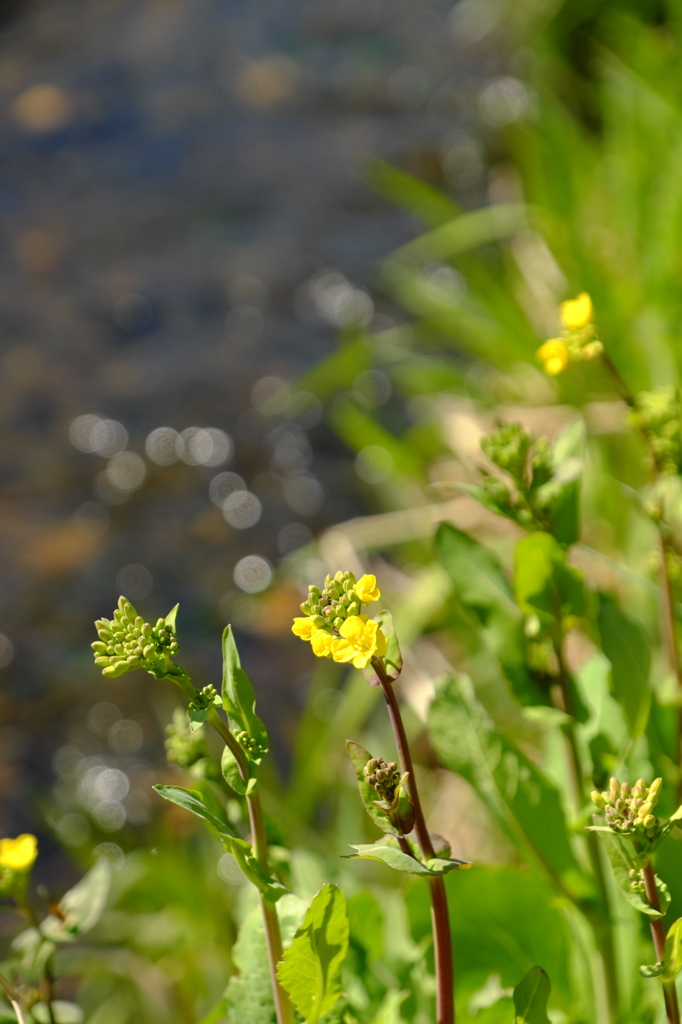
305,627
366,589
18,854
361,639
321,643
577,312
554,356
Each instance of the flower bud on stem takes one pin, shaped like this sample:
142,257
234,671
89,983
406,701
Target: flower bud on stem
440,922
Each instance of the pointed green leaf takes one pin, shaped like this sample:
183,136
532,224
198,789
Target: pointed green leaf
193,802
395,858
171,617
359,758
239,698
310,970
530,998
82,906
545,585
673,952
618,852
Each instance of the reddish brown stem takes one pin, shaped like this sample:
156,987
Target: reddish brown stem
672,1008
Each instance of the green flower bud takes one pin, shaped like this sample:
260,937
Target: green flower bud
120,647
598,799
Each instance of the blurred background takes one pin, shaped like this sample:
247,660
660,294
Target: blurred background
186,227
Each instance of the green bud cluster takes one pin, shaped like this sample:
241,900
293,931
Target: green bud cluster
249,743
184,747
659,415
636,876
630,810
383,777
532,499
334,603
127,642
205,698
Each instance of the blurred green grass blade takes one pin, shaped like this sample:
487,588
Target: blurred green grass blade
403,189
466,232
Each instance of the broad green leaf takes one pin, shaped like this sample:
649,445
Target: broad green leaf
232,774
673,951
627,647
622,863
239,698
545,585
359,758
249,994
310,970
521,800
482,587
366,923
400,861
82,906
530,998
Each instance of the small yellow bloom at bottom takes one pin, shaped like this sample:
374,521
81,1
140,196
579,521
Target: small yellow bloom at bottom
321,643
554,356
366,589
305,627
577,312
360,640
18,854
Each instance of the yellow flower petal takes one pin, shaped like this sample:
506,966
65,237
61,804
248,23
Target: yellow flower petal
577,312
361,639
18,854
366,589
554,356
321,643
304,627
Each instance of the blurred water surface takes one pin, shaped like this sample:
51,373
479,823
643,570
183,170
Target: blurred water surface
185,229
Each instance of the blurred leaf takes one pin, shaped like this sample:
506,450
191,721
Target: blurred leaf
482,587
545,585
626,645
409,192
62,1013
82,906
359,758
249,995
567,455
465,232
389,1011
673,952
519,797
366,923
530,998
359,430
310,970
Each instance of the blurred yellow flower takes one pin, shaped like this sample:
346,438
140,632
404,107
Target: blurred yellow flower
366,589
18,854
577,312
305,627
321,643
360,640
554,356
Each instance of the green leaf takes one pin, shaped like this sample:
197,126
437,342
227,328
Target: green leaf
62,1013
366,923
622,863
232,774
521,800
171,617
673,952
405,190
193,801
389,1011
545,585
482,587
530,998
239,698
82,906
393,658
651,970
359,758
310,970
249,994
627,647
399,861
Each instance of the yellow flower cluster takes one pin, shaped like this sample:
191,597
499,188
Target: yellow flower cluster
579,339
338,630
18,854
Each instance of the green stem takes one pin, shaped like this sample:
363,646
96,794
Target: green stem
47,978
440,921
273,937
672,1008
14,1000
